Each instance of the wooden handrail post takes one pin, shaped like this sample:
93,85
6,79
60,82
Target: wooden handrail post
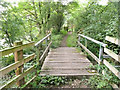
101,53
85,42
39,51
18,55
50,36
46,42
49,39
85,45
78,38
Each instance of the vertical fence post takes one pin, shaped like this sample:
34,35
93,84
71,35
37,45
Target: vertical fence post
46,42
85,42
49,39
85,45
18,55
46,45
79,38
37,53
40,49
101,53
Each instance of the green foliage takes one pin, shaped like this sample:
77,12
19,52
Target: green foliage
63,32
29,51
45,81
28,23
97,22
12,27
35,19
102,81
98,82
56,40
57,19
7,60
55,32
72,40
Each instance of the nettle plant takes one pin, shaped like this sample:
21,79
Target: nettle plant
44,81
102,81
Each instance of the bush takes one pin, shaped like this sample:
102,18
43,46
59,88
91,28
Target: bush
44,81
63,32
7,60
98,82
72,40
102,81
55,32
56,40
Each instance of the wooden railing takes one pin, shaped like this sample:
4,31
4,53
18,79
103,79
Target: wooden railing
19,61
88,51
113,55
102,50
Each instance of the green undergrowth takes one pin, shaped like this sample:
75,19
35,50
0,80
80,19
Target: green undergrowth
78,50
102,80
57,38
7,60
63,32
72,40
48,81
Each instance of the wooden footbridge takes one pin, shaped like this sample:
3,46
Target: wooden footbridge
63,61
66,61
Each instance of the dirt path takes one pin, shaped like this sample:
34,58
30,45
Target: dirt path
64,41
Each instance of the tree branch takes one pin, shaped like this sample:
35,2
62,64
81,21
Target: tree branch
30,12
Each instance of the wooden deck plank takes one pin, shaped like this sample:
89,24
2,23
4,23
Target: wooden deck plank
66,61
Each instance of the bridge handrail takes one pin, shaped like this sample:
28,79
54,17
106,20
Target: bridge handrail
42,39
15,48
89,52
19,63
97,42
112,55
102,50
93,40
113,40
13,66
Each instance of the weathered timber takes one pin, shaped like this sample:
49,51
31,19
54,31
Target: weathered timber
93,40
16,48
112,68
66,61
18,55
113,40
112,54
19,61
26,84
17,78
42,39
89,52
45,52
7,69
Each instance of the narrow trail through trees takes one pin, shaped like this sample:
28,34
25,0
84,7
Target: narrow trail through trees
64,43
